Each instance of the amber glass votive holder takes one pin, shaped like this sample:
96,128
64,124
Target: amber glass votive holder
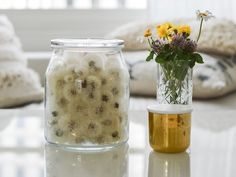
169,127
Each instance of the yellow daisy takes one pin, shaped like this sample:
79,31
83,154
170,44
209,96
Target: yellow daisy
148,33
162,31
184,29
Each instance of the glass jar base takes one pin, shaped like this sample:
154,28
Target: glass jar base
103,147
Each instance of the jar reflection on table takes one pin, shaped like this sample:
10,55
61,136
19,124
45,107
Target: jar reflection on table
169,165
63,162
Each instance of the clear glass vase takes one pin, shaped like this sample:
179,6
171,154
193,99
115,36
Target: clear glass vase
174,83
170,119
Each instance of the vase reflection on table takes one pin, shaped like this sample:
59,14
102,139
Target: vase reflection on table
169,165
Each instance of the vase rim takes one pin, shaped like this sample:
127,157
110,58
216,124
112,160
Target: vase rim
169,108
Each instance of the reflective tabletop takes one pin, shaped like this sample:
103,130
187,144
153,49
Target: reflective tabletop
24,153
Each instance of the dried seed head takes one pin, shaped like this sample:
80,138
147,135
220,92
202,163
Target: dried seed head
104,81
115,91
107,122
84,83
53,122
99,110
105,98
91,95
69,78
100,139
115,74
91,126
54,113
63,101
93,83
60,83
72,125
73,92
59,132
92,64
115,134
116,105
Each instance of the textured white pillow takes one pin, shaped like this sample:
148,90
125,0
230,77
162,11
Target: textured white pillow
218,36
18,84
216,77
142,74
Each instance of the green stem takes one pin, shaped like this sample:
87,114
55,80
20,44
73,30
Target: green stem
200,30
149,43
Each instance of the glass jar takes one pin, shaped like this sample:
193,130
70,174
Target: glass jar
87,93
169,127
174,83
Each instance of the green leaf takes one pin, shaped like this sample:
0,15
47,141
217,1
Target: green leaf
198,58
192,63
150,56
166,47
160,59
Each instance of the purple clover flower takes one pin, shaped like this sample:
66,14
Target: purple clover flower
180,41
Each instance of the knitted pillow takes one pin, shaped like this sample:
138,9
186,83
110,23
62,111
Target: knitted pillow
216,77
18,84
218,36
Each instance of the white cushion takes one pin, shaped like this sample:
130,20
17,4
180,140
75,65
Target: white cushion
18,84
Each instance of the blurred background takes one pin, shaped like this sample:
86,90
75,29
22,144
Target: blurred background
38,21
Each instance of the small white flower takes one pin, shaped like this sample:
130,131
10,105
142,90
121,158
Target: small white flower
204,15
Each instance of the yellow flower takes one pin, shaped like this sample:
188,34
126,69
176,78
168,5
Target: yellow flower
165,30
184,29
148,33
162,31
168,25
171,31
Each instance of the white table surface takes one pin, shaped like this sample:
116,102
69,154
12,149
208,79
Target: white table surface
23,152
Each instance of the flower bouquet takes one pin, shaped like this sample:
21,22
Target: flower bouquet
175,52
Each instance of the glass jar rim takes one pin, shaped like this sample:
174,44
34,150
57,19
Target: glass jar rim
86,43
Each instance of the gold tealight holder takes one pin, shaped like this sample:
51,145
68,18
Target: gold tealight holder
169,127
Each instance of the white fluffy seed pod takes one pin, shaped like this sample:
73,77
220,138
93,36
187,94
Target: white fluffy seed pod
90,128
94,62
69,78
70,91
81,72
93,82
55,81
106,96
